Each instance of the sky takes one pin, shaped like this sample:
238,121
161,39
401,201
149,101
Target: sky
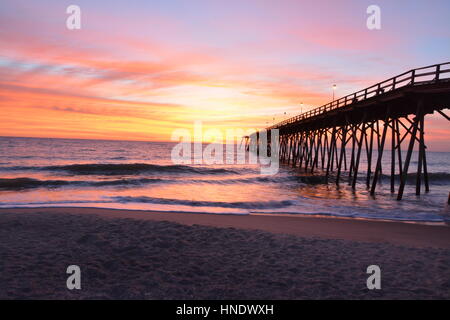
140,69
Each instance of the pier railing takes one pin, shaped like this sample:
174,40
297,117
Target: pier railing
415,77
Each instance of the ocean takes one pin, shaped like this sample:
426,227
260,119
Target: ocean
39,172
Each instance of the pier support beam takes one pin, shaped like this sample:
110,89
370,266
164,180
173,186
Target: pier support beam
414,126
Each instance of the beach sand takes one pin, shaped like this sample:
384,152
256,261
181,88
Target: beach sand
146,255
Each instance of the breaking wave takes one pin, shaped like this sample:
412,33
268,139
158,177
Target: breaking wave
437,177
193,203
122,169
30,183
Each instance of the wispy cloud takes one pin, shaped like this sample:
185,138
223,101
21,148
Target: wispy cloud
138,70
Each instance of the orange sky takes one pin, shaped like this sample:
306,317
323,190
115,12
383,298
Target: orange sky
139,71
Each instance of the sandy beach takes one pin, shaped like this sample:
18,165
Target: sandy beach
147,255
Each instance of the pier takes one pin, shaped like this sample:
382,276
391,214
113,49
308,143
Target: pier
388,115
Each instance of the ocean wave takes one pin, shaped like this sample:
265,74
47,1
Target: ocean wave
122,169
437,177
29,183
194,203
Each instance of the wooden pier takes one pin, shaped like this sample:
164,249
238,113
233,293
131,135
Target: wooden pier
388,115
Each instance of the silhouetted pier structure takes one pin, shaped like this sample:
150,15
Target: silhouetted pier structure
333,137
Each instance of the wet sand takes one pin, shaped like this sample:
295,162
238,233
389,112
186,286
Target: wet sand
145,255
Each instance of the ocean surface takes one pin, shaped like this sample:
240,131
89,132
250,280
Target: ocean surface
38,172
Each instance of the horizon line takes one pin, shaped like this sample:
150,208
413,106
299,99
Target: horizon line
83,139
